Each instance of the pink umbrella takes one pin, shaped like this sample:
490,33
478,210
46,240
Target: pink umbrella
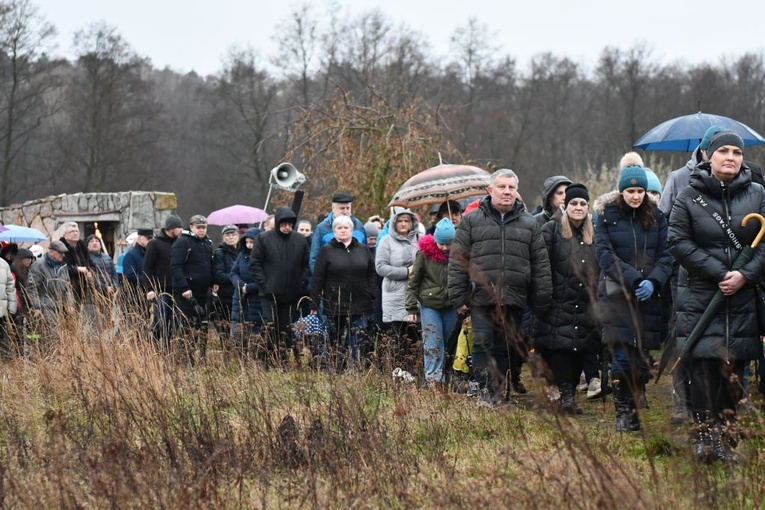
237,214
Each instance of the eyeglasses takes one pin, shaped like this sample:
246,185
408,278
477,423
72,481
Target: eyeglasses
578,203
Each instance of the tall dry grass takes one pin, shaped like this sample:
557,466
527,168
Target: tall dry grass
105,420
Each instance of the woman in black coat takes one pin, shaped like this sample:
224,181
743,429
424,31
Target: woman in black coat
344,284
568,330
706,252
245,305
635,263
223,261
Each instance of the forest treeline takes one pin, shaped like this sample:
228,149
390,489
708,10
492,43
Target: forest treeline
357,103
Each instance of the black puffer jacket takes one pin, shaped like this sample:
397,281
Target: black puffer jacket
191,265
344,279
628,253
156,263
279,262
570,322
506,258
706,254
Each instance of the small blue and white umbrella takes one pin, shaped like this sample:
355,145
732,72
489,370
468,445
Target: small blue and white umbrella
19,234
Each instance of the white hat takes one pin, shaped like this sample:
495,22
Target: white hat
131,238
37,250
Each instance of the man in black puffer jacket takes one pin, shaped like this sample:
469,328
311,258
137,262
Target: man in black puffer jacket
191,267
500,250
279,265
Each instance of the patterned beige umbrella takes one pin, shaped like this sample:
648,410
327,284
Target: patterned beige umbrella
440,183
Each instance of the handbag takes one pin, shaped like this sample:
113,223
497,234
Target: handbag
613,288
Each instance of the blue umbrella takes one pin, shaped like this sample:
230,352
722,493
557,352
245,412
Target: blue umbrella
19,234
685,133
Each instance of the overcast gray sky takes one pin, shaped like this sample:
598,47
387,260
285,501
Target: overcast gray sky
196,34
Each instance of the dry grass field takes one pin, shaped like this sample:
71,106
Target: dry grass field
106,421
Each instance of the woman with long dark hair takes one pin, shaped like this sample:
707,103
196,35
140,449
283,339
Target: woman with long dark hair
635,263
706,236
568,331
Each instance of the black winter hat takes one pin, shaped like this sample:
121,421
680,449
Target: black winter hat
173,221
576,191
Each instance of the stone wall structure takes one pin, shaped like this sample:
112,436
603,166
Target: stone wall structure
121,212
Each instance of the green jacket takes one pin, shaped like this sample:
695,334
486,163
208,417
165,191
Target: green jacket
427,283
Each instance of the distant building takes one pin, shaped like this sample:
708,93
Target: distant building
114,215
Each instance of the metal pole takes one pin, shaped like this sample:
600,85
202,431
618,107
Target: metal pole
265,207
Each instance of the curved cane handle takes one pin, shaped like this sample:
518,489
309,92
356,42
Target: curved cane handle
761,233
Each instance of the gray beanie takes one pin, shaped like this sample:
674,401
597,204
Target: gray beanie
371,229
725,138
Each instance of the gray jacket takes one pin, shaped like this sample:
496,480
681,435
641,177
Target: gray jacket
395,253
677,181
50,288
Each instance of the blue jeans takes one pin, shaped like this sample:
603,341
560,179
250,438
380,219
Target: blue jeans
437,325
163,323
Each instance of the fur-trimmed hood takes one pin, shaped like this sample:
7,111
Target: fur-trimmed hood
429,248
603,201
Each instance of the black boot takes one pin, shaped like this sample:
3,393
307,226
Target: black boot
568,399
721,443
701,439
626,414
634,419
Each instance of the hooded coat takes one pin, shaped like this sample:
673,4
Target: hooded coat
570,323
279,262
344,279
427,284
505,257
677,181
628,253
245,307
545,213
395,253
706,254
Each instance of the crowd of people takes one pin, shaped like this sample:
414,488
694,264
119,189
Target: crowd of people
587,286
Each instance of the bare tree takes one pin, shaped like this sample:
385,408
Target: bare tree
26,77
112,125
299,40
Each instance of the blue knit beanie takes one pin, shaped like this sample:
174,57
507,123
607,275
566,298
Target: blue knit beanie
633,177
654,184
444,233
710,132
